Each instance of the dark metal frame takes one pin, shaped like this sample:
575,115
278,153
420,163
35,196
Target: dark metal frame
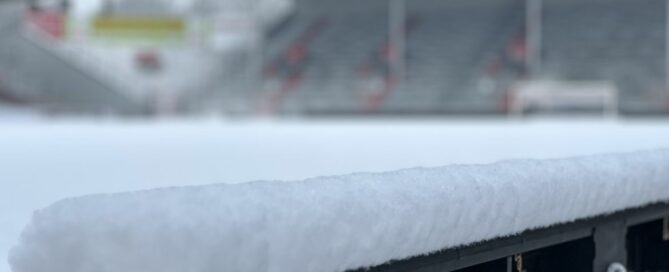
608,232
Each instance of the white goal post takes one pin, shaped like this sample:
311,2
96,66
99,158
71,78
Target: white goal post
556,96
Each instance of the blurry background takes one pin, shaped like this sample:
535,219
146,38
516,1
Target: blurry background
333,58
115,74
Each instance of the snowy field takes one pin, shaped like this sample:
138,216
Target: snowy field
10,113
45,162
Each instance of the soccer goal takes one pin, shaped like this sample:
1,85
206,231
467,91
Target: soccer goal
564,97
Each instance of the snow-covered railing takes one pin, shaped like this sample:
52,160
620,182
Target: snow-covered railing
333,223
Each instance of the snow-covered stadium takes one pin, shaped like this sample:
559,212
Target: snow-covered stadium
323,57
334,135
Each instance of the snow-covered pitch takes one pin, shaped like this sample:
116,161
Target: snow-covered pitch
332,223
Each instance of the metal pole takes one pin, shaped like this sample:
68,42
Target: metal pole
397,36
534,29
401,40
666,50
260,46
255,52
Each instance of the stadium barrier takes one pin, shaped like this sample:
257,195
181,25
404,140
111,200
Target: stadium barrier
143,29
634,240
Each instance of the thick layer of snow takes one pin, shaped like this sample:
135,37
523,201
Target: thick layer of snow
332,223
41,163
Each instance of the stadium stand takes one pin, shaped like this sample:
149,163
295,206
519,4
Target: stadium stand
463,58
459,57
348,68
620,41
448,52
34,74
331,69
